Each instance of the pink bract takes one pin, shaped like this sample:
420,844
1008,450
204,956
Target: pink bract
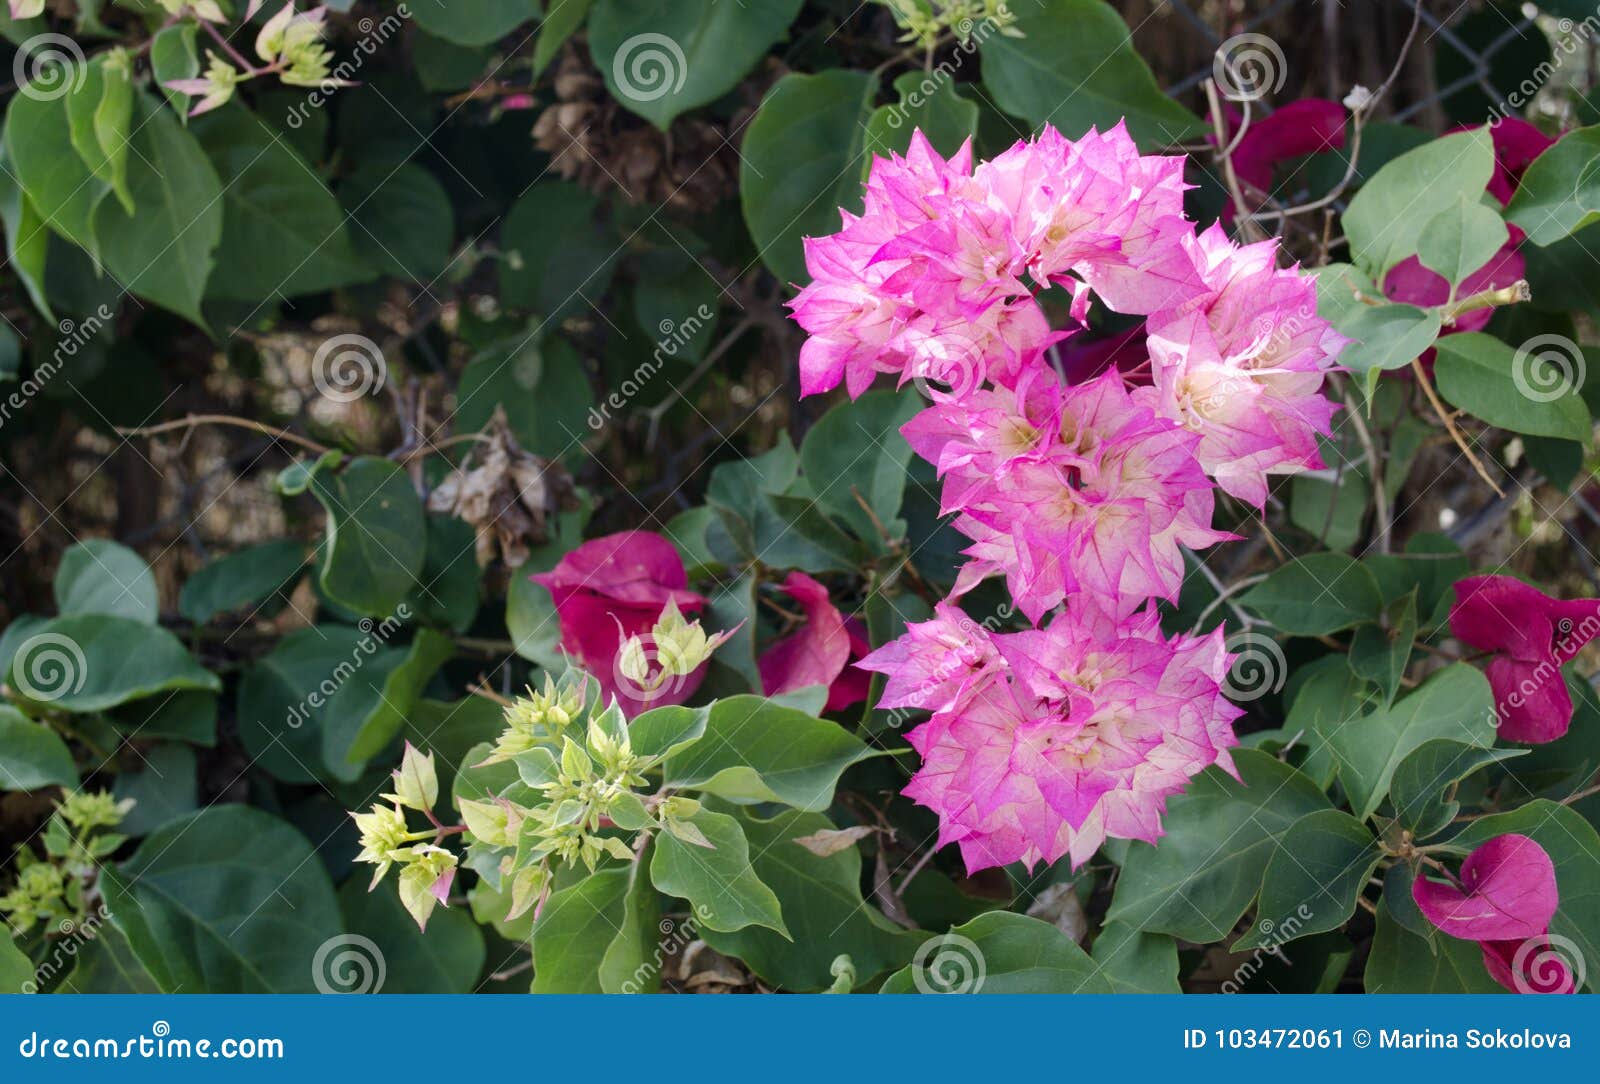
1077,732
614,587
1505,899
1532,636
818,652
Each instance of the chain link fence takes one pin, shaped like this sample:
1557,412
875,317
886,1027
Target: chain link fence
1468,62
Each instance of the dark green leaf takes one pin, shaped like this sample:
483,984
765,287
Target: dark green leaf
1310,886
32,756
1533,390
719,882
376,535
242,580
1316,594
99,576
1000,953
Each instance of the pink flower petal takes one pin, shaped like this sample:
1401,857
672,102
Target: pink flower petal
1507,891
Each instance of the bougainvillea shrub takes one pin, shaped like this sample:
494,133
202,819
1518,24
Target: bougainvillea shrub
931,496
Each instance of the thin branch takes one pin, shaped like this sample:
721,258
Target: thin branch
1450,425
193,420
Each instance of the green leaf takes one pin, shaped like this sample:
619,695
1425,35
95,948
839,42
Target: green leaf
1403,963
376,534
1310,886
1422,779
661,732
1574,848
173,57
1533,391
369,710
107,965
1460,239
473,22
99,576
1316,594
822,907
285,699
32,756
165,252
799,163
447,588
1136,962
556,252
27,240
661,58
1220,835
16,970
757,751
90,662
720,881
398,958
282,230
675,301
402,221
631,964
164,788
563,20
228,900
929,104
543,387
1074,66
1453,703
575,931
1000,953
1559,194
856,448
99,113
1387,336
55,181
1379,654
1386,217
242,580
186,715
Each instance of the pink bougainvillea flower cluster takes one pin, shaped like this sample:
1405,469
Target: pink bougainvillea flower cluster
1532,636
1044,742
1081,480
1504,900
